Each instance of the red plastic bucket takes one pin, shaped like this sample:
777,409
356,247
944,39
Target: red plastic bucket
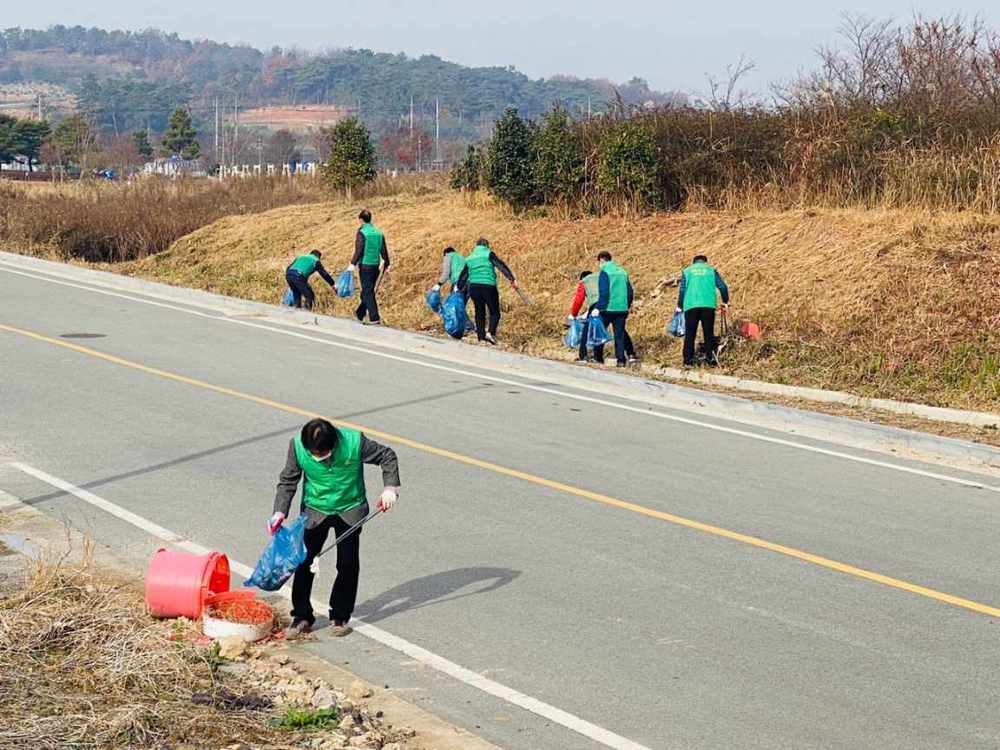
179,583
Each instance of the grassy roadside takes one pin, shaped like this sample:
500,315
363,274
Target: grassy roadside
890,304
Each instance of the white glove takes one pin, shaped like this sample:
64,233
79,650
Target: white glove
676,310
596,314
351,267
387,499
274,522
436,288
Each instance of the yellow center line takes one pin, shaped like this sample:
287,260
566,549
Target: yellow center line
781,549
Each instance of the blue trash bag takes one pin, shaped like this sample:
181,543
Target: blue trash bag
597,333
433,298
284,553
453,314
288,298
676,326
345,284
574,334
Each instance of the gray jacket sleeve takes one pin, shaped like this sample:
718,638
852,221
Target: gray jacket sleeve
381,455
288,482
445,276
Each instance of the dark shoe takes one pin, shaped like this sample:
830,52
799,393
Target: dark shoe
491,339
299,627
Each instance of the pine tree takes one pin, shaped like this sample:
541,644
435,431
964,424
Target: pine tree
142,144
352,155
559,168
510,161
181,137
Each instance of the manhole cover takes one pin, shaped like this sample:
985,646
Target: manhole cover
81,336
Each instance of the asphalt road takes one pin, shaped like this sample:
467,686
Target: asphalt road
504,554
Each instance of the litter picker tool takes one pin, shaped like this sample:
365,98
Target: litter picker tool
350,531
523,295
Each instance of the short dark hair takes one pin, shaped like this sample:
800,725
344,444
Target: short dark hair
317,253
702,258
584,274
319,436
365,216
449,249
483,241
604,255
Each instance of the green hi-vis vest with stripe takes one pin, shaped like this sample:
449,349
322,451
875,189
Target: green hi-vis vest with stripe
337,484
373,245
457,265
617,287
591,285
305,264
481,271
699,286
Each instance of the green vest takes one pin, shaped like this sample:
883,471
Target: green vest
457,264
305,264
335,485
699,286
373,245
591,285
618,287
481,271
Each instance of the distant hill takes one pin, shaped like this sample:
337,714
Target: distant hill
133,79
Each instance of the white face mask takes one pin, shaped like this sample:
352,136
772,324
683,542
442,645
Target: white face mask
321,458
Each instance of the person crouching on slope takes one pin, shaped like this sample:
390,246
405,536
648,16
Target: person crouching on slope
586,292
480,277
451,269
330,461
297,275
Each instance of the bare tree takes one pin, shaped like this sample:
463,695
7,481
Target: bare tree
725,96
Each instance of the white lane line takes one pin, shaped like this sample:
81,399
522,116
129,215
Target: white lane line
538,388
439,663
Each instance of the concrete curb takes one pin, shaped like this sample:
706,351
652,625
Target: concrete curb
844,431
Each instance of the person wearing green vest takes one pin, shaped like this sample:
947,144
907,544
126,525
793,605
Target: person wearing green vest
297,275
696,297
369,249
586,292
452,266
330,462
480,277
614,301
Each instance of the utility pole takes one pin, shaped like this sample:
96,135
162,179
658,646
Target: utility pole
217,160
588,107
411,117
437,129
39,106
236,127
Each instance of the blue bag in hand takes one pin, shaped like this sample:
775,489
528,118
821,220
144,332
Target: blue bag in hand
288,299
284,553
676,327
574,334
453,314
345,284
597,333
434,300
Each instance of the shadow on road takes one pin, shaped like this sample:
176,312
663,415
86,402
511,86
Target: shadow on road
434,589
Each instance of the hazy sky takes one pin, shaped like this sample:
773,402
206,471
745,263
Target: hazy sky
671,44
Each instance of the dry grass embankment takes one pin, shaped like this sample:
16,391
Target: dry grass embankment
897,304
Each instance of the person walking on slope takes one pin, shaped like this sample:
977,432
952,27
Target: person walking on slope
330,460
480,278
451,269
369,249
696,297
587,291
614,301
297,275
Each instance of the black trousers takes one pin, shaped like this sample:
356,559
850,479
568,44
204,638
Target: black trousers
623,342
369,305
583,337
485,297
345,586
692,317
301,291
